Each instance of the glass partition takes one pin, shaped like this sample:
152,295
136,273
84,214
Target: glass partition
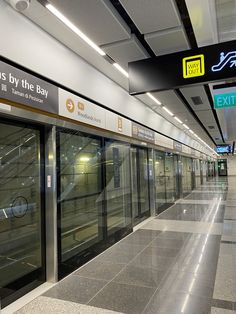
160,180
140,184
79,193
197,172
143,178
170,178
187,175
135,183
21,210
118,187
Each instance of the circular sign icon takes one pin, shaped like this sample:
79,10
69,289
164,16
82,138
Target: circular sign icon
70,105
19,207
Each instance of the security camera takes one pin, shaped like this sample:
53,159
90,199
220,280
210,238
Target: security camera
20,5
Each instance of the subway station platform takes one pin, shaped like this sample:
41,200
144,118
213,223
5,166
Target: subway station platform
182,261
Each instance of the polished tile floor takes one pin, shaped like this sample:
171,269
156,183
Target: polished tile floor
183,261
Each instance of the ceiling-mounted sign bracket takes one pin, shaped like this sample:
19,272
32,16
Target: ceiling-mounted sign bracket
197,66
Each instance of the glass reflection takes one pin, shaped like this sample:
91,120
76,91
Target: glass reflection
118,187
186,175
80,196
20,205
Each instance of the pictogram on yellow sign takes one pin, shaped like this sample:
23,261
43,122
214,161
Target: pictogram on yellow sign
193,66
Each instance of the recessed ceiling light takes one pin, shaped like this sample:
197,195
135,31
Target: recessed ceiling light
186,127
191,131
177,119
74,28
119,68
153,98
168,111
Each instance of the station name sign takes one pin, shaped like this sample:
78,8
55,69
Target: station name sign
24,88
202,65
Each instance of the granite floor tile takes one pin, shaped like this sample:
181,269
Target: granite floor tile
100,270
230,213
174,235
168,243
177,304
51,306
123,298
150,261
215,310
76,289
140,276
227,249
161,251
124,246
225,289
184,282
118,256
184,226
223,304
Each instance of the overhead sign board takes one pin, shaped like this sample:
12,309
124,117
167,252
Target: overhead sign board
224,97
24,88
177,146
193,66
202,65
142,133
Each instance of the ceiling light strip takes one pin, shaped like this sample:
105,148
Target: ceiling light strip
74,28
177,119
153,98
119,68
168,111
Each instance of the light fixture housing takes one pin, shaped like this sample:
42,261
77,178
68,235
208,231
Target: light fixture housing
168,111
119,68
177,119
153,98
185,126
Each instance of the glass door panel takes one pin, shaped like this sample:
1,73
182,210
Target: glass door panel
21,237
118,187
197,168
187,175
80,193
143,178
160,179
170,179
134,183
140,184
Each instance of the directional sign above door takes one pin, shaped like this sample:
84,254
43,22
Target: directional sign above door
206,64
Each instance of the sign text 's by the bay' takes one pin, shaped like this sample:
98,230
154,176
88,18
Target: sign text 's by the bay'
24,88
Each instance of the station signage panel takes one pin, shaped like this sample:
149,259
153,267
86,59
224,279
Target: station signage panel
24,88
224,97
196,66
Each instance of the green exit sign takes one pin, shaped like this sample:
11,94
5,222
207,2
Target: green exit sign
224,100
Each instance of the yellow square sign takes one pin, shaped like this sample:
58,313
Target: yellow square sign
193,66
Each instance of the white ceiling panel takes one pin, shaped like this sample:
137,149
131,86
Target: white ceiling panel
195,91
171,100
152,15
97,19
126,51
226,21
203,18
167,41
62,33
206,117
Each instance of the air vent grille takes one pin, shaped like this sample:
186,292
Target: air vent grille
211,127
197,100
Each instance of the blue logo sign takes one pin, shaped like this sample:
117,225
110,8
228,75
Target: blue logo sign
229,58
